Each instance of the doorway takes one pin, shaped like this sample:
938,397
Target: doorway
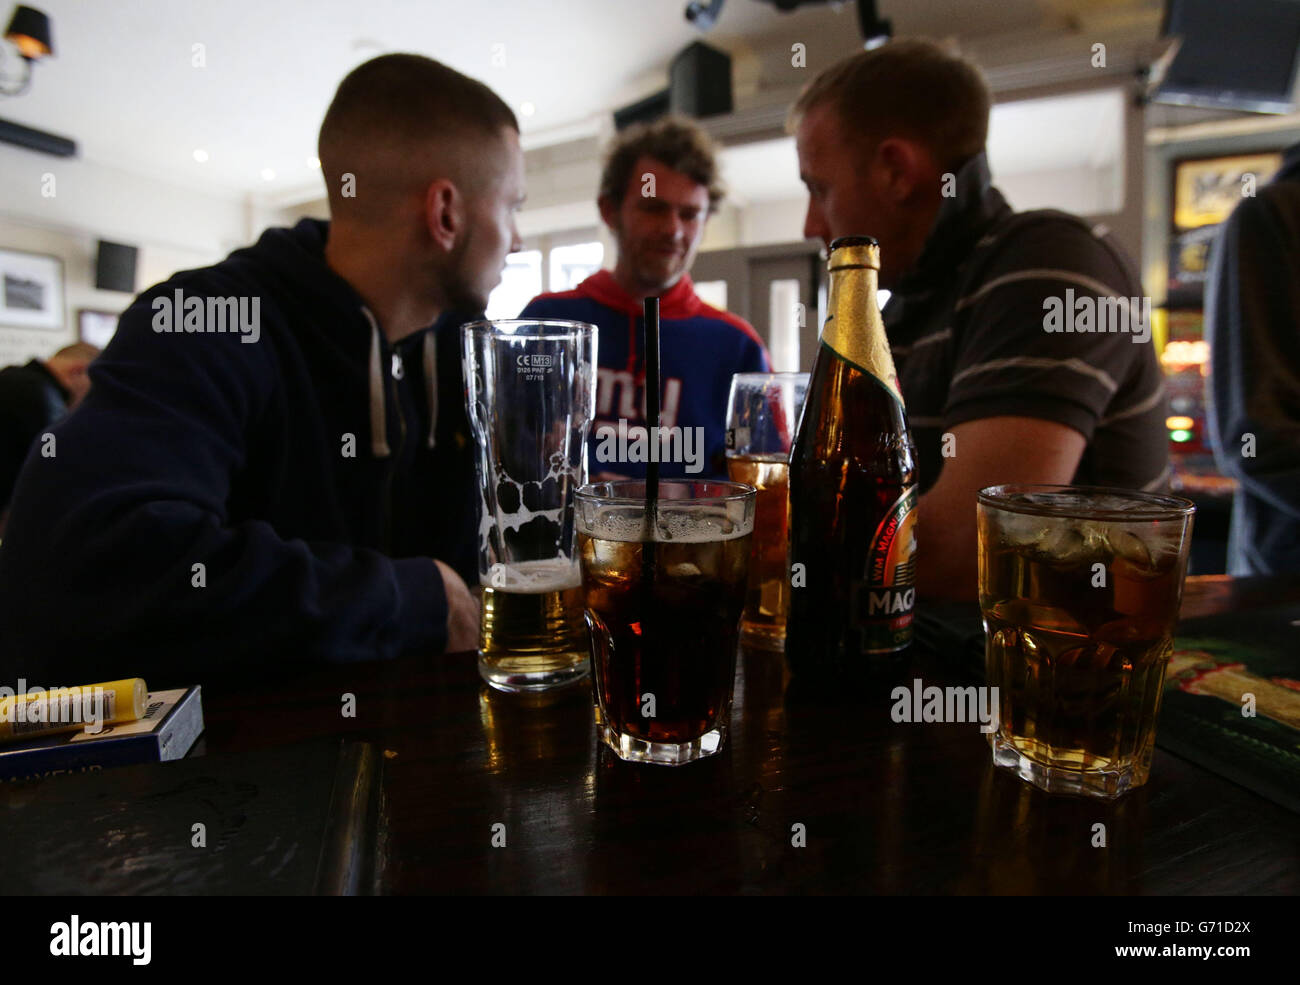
777,289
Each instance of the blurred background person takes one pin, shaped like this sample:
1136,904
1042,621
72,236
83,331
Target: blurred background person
1252,322
32,398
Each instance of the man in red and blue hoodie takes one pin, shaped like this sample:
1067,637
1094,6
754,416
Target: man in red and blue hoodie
659,185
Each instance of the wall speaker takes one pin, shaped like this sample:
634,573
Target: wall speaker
115,267
700,81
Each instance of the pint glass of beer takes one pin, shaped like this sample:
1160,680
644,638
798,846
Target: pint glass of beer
664,595
531,394
762,414
1079,587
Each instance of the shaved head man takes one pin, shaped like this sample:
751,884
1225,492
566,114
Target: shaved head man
275,449
424,174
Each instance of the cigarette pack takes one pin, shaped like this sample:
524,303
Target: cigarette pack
172,721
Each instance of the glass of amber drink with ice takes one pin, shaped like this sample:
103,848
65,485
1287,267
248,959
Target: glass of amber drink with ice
1079,588
762,414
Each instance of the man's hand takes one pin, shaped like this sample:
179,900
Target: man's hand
988,452
462,612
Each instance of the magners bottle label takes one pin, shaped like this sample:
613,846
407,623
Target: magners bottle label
885,597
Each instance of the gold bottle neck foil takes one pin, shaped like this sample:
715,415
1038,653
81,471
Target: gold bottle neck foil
854,328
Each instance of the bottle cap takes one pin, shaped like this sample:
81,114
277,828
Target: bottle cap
854,251
854,241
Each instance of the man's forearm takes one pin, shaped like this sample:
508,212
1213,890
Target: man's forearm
945,551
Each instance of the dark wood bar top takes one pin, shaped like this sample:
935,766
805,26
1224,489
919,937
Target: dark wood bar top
412,776
816,791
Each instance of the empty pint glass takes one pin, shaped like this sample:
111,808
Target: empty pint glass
1079,588
664,602
531,394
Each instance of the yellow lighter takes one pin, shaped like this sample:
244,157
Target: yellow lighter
70,709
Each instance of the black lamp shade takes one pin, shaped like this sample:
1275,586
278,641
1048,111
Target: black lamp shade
29,29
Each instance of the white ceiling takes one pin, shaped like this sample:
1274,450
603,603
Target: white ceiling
763,171
1083,130
123,84
1028,136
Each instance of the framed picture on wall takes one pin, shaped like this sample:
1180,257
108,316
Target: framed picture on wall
96,327
1207,189
1189,264
31,290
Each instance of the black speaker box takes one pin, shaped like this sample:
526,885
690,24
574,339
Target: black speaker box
115,267
645,110
700,81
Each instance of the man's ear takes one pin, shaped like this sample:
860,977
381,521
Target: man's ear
444,213
903,167
608,211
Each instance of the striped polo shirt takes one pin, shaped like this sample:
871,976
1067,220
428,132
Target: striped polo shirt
1030,314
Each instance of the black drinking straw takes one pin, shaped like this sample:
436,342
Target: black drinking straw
652,390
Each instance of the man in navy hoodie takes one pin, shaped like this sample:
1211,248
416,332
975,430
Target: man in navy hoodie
260,479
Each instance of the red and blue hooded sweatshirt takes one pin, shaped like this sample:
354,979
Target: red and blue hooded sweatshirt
700,349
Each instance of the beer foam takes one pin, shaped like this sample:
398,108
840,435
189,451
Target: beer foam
701,526
533,577
490,519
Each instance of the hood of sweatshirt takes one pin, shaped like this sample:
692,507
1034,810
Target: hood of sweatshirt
679,301
329,310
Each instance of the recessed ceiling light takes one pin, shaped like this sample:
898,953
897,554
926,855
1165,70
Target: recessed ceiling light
268,174
201,155
313,162
527,109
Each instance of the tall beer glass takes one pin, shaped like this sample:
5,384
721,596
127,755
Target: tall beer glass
663,603
762,413
531,394
1079,588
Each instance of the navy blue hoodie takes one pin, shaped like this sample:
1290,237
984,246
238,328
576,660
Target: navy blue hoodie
221,504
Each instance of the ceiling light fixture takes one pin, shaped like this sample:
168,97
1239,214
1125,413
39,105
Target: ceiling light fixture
201,156
875,29
704,13
268,174
29,32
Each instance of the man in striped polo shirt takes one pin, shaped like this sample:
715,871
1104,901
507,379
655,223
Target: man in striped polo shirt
1022,340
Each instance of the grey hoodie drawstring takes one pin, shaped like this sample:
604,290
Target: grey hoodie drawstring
378,414
378,405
